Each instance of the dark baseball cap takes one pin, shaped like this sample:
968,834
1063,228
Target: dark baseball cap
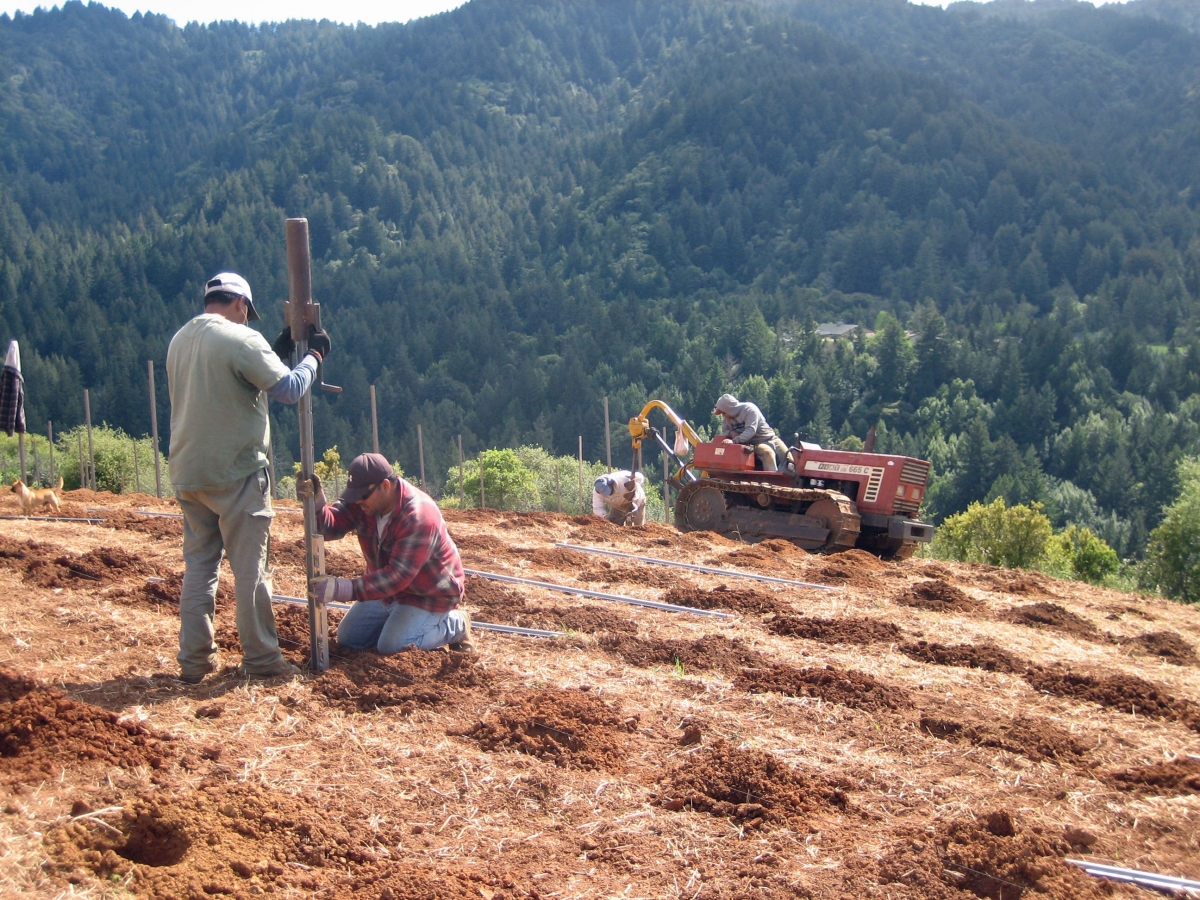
367,470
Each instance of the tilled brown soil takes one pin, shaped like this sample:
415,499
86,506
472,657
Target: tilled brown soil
974,656
785,751
1051,615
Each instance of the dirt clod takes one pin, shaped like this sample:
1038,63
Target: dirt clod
711,653
939,596
973,656
1053,616
1173,778
829,683
844,630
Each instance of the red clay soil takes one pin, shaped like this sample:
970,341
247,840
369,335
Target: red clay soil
993,857
1171,779
573,729
988,657
845,630
46,565
753,788
360,680
1026,584
480,543
43,732
242,840
842,570
1053,616
340,563
830,684
1169,645
711,653
128,520
492,601
1118,690
554,558
724,597
630,573
581,618
1030,736
939,596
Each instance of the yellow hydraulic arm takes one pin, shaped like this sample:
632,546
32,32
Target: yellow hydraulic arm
639,430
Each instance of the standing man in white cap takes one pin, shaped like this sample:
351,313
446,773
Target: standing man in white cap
620,497
409,596
220,373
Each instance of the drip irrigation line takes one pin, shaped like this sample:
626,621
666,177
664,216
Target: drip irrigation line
482,626
54,519
733,573
598,595
1136,876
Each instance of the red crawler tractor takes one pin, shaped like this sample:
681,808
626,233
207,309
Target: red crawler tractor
826,500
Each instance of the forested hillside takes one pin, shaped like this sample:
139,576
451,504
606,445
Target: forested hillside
518,209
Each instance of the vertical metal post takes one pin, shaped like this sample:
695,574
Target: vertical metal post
137,477
558,484
607,438
300,298
79,450
21,449
50,435
581,474
482,496
374,421
154,431
421,457
462,494
666,492
87,411
36,465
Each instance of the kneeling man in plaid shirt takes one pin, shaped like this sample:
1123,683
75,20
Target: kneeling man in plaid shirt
410,594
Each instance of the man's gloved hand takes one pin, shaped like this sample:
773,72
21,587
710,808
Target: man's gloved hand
318,340
333,590
311,488
284,346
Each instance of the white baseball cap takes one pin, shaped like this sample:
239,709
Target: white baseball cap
232,283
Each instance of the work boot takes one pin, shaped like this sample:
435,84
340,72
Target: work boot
198,675
467,643
281,669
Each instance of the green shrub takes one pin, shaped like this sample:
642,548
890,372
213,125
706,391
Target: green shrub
114,453
1172,562
1015,537
507,482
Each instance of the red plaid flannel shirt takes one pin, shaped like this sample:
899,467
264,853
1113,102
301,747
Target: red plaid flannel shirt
414,561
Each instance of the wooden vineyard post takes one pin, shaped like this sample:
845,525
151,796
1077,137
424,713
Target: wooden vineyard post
607,438
137,478
581,474
50,435
87,412
462,494
374,422
154,431
421,456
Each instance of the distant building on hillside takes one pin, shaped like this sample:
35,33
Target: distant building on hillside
830,331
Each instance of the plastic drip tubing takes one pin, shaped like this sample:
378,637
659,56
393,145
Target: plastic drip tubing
1136,876
695,568
598,595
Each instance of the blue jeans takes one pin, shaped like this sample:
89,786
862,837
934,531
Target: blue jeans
390,628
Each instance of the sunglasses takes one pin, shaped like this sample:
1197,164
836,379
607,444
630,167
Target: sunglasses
372,489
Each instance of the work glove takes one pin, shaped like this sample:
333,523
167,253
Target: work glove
313,489
318,340
329,589
284,346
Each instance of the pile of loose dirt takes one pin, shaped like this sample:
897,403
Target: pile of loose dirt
571,728
1051,615
988,657
46,565
762,557
43,732
1029,736
474,516
493,601
166,527
844,630
1117,690
360,680
711,653
558,558
1026,584
724,597
829,683
642,575
1179,776
480,543
751,787
939,596
1169,645
583,618
243,840
290,554
991,857
846,569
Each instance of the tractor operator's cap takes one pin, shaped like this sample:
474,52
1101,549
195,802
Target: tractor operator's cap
232,283
367,470
604,486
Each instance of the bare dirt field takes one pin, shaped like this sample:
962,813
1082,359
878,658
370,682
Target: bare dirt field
923,730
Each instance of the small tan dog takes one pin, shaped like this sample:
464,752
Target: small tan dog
32,499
